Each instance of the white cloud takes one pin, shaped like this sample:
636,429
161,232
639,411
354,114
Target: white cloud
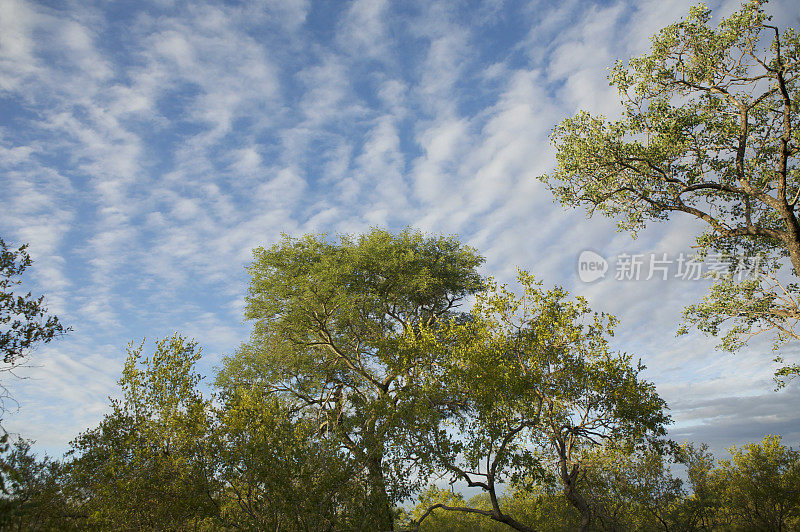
363,31
17,56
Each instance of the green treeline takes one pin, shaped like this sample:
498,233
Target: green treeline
754,490
377,365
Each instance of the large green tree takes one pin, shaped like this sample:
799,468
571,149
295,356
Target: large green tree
709,129
335,325
524,387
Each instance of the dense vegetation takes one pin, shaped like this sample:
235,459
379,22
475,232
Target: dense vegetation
383,366
294,487
363,382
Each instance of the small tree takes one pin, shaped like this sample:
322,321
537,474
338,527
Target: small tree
442,520
710,129
33,499
636,490
147,465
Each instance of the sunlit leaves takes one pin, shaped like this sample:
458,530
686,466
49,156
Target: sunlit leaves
526,384
711,129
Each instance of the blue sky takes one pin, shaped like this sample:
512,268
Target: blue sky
147,147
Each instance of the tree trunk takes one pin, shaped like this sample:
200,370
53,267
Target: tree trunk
568,479
380,507
792,239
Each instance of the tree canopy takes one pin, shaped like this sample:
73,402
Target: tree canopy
709,129
148,466
334,329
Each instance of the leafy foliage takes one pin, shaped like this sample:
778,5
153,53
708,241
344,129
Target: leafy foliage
759,486
148,465
24,321
635,490
34,499
529,384
710,129
642,490
276,472
335,329
24,318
